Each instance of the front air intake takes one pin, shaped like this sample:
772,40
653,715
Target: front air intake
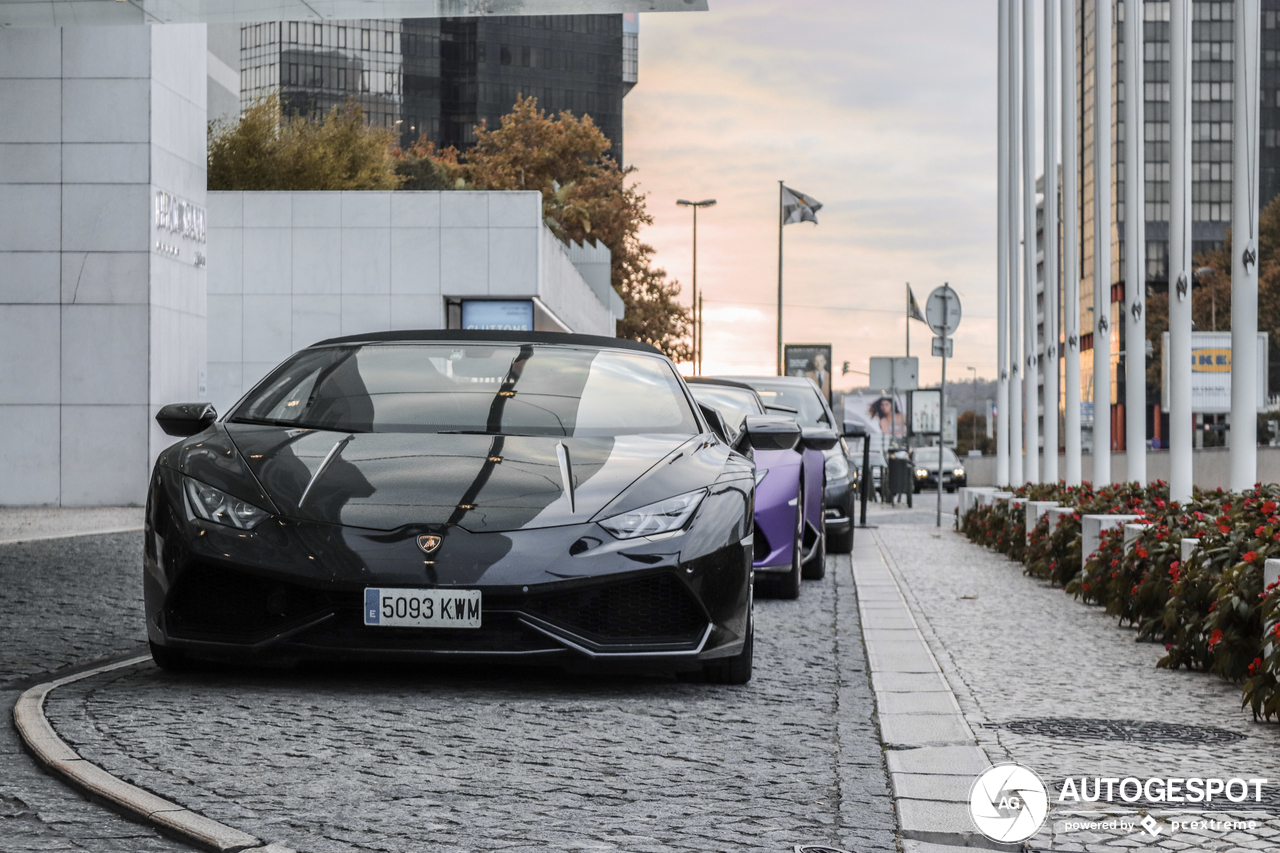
652,609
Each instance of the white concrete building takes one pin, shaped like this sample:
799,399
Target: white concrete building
287,269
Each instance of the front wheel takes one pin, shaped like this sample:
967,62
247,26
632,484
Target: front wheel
788,585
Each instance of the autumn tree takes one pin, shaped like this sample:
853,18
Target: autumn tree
585,196
266,150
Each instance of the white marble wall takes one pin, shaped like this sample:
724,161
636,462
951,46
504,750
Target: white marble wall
96,328
288,269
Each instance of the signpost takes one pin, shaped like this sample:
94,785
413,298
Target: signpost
942,313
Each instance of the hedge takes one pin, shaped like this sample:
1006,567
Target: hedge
1210,612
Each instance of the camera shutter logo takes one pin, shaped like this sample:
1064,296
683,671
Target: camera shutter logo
1008,803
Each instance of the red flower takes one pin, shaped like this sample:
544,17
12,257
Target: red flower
1275,629
1086,589
1250,556
1258,532
1213,604
1215,638
1113,575
1143,552
1269,507
1134,591
1224,528
1253,667
1174,571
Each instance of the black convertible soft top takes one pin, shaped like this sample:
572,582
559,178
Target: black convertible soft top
480,335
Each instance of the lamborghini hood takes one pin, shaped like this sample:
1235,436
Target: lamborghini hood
482,483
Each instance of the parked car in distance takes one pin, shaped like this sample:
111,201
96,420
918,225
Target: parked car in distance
924,463
802,398
781,512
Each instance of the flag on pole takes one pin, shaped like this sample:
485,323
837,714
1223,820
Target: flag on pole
913,307
798,207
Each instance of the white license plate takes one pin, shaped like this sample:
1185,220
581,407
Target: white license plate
422,608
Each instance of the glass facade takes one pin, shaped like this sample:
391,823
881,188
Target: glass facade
442,76
1211,128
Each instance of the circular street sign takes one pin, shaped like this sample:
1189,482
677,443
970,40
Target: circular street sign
942,311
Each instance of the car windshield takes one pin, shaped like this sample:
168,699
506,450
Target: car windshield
494,389
733,403
805,400
926,456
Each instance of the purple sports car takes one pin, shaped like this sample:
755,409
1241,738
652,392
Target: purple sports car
788,507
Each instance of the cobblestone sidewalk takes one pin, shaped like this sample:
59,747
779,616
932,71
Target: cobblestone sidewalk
1030,666
402,760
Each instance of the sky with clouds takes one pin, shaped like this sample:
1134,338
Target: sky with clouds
883,110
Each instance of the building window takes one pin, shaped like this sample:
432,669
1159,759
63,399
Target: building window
293,73
505,55
364,79
293,32
317,34
481,53
526,57
318,78
364,39
342,79
342,36
391,83
390,42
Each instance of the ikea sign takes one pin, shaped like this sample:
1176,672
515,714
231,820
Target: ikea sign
1211,372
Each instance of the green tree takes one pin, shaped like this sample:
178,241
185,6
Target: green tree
264,150
585,196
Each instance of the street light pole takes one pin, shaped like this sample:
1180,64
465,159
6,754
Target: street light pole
975,407
697,304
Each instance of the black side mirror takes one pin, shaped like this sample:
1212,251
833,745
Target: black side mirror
819,438
716,421
769,432
855,429
183,419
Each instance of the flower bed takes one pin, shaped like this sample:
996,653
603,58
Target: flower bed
1210,611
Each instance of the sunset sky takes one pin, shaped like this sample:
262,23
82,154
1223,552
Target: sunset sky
883,111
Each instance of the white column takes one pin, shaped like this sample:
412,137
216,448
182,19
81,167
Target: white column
1102,245
1050,364
1070,244
1244,249
1030,336
1179,355
1015,248
1002,252
1135,250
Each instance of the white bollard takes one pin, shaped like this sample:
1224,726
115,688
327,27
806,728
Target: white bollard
1035,509
1188,545
1132,532
1270,572
1056,514
1091,527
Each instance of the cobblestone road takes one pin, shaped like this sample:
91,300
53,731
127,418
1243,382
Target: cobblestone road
397,759
64,602
1016,649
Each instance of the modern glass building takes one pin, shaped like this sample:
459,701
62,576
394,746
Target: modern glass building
443,76
1211,130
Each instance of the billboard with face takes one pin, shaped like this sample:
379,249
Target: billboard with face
812,361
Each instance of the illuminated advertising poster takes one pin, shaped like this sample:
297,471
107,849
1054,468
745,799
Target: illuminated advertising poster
514,315
812,361
1211,372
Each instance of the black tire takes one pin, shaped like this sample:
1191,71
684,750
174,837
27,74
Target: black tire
734,670
170,660
788,585
842,543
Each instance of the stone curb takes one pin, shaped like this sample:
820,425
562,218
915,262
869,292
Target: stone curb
47,536
58,758
930,752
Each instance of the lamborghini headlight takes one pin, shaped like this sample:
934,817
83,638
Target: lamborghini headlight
221,508
661,517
